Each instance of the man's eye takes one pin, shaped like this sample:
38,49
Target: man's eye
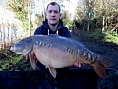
55,11
50,11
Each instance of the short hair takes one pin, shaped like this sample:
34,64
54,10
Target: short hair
53,3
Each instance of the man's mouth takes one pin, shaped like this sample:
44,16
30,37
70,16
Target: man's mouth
52,19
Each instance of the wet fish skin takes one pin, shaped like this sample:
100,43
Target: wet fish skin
58,52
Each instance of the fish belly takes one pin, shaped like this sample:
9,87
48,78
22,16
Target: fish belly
54,57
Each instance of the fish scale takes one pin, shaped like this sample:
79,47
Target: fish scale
70,51
49,54
58,52
74,52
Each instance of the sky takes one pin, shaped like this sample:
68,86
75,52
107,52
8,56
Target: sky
3,2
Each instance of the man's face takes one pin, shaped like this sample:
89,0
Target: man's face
53,15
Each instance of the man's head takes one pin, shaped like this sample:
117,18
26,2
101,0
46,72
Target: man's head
53,13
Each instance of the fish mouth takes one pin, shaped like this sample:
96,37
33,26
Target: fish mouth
12,49
24,52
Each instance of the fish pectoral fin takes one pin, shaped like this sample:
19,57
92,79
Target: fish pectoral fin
32,61
53,71
100,70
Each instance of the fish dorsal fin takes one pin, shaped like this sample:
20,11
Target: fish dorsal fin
53,71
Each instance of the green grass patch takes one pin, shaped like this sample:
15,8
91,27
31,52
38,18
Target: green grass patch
11,61
105,36
95,35
111,37
7,63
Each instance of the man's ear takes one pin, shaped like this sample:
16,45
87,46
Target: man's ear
45,13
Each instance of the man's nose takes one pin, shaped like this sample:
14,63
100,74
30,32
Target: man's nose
52,14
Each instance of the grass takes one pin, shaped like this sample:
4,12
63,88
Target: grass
111,37
11,61
104,36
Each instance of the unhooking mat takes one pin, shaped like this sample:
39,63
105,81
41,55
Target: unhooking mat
66,79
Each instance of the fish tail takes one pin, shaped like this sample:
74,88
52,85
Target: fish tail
100,70
101,63
105,61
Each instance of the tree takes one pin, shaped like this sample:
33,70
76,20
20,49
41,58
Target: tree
20,8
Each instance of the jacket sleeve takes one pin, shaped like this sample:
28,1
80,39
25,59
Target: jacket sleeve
67,32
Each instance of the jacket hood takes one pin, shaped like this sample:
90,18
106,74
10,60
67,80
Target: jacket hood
45,24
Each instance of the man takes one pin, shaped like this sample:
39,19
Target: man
52,25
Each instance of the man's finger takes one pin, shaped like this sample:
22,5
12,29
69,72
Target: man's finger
27,56
79,64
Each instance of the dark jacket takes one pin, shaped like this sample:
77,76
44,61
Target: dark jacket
61,30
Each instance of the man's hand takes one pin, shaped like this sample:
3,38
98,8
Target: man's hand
78,64
27,56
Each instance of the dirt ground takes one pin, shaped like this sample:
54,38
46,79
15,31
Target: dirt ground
103,48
